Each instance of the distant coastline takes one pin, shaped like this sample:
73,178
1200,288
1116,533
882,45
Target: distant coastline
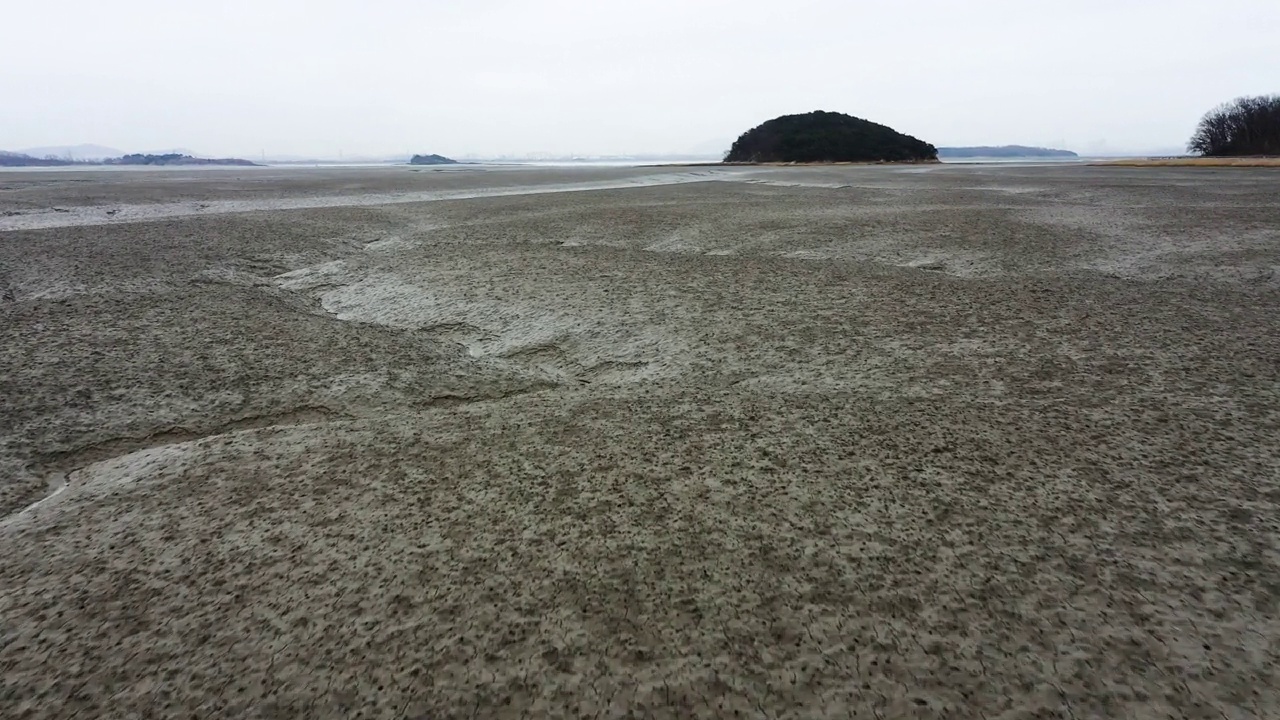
12,159
1003,151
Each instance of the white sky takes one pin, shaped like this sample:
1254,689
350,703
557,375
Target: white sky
313,77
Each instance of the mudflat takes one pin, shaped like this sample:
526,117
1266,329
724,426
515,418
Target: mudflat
936,441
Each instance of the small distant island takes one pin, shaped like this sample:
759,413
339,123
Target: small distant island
12,159
175,159
827,137
432,160
1003,151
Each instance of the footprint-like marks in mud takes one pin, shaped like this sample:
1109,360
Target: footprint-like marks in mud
549,358
615,371
554,360
470,337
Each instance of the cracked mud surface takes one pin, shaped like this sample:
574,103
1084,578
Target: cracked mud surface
760,442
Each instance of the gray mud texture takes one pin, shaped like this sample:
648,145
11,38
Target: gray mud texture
872,442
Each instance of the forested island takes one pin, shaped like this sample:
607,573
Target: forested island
827,137
175,159
432,160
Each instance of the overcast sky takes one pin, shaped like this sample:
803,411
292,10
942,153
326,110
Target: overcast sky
315,77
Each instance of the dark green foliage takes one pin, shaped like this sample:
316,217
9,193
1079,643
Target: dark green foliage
827,137
431,160
1244,126
141,159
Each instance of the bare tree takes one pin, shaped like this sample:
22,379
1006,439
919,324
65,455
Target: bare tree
1244,126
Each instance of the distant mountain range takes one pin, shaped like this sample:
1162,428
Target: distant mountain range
1003,151
73,152
89,151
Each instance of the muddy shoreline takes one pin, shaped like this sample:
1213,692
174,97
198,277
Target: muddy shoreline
899,441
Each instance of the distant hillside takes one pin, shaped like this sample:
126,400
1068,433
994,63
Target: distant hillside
431,160
176,159
1003,151
819,137
12,159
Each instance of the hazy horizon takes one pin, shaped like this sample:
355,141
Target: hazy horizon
565,77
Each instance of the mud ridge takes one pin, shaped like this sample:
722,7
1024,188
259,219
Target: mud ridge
59,467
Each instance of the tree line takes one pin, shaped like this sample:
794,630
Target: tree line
1244,126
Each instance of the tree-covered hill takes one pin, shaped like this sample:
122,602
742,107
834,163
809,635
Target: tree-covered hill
431,160
819,137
